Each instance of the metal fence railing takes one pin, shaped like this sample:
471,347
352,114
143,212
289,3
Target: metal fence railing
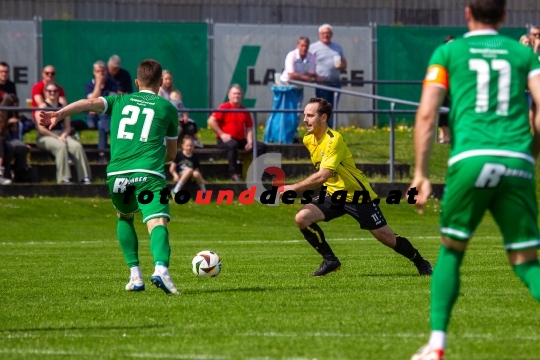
392,111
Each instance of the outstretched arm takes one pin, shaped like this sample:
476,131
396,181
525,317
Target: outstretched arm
51,118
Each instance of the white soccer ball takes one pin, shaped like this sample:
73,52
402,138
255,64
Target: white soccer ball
206,264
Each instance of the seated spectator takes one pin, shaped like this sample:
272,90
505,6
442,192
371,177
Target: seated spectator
186,126
6,86
38,90
186,167
58,141
100,85
534,39
234,130
167,86
11,130
121,76
524,40
5,155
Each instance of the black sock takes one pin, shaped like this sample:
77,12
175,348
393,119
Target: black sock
405,248
315,237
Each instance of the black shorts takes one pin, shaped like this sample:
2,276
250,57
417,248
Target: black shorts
369,215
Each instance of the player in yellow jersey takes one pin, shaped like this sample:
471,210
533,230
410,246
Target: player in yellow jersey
337,171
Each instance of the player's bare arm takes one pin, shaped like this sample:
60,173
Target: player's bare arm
171,150
534,88
424,133
51,118
313,182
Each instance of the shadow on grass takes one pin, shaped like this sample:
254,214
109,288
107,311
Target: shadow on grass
97,327
392,275
242,289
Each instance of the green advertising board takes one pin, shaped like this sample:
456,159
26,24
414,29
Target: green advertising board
403,54
73,46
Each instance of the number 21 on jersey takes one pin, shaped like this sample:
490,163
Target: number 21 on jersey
133,112
482,68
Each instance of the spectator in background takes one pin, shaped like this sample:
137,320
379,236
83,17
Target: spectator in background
524,40
300,65
6,86
38,90
100,85
534,39
186,126
11,128
444,131
58,142
121,76
5,153
234,130
330,61
167,86
185,167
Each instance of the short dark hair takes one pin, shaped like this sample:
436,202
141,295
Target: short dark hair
487,11
324,107
304,38
3,63
149,72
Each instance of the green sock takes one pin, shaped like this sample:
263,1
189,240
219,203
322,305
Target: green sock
127,237
445,287
529,273
159,245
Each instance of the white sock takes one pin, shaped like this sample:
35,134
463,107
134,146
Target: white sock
178,187
203,187
136,272
160,269
437,340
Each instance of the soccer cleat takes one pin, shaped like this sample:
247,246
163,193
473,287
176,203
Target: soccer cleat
424,267
135,284
327,266
164,283
427,353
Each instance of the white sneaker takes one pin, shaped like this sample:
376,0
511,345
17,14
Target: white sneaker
428,353
164,283
135,284
4,181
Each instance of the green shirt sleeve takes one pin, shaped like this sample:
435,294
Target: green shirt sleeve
109,103
439,56
172,116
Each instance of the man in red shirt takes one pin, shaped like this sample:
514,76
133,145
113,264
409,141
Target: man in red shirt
234,130
38,90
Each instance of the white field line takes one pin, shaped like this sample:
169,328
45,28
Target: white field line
56,334
101,354
113,242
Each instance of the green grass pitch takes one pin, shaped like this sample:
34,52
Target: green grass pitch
62,296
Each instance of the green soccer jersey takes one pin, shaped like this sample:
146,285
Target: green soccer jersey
486,76
140,123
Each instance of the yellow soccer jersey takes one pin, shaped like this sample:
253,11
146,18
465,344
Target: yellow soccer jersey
331,152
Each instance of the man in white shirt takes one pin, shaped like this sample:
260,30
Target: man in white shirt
300,65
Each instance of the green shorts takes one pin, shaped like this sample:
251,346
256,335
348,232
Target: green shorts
503,185
144,184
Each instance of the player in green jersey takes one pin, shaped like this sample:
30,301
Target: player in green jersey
144,130
492,157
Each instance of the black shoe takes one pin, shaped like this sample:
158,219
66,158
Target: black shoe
327,266
424,268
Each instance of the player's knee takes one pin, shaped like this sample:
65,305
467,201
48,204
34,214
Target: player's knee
124,216
302,219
